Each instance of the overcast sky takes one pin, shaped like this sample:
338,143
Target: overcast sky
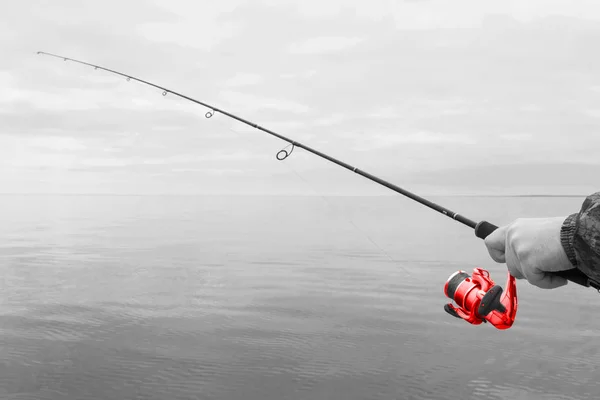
461,97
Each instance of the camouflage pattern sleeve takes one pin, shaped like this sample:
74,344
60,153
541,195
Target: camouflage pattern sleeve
580,237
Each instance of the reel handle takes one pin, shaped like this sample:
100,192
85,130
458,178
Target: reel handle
483,229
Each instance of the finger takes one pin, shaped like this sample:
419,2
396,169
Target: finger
513,264
497,255
496,244
497,239
544,280
551,281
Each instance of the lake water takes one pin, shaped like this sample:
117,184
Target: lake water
117,297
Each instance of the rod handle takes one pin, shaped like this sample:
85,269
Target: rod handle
483,229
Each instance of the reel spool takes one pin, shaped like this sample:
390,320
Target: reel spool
480,300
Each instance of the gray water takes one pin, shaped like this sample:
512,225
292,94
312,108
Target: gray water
273,298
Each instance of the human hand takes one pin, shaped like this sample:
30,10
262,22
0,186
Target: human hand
531,249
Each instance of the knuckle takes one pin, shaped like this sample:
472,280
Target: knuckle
523,254
518,222
514,236
513,239
519,249
513,229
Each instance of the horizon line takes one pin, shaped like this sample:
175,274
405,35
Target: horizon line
272,195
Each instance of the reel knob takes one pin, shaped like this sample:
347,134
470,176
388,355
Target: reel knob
491,302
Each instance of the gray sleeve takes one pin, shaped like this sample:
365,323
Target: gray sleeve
580,237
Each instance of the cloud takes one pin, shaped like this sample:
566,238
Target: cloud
516,137
56,143
389,85
513,175
323,45
307,74
333,119
594,113
370,142
243,79
186,33
212,171
251,102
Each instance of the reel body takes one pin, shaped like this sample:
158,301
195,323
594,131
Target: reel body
480,300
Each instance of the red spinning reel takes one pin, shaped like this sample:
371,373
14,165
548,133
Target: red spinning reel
479,299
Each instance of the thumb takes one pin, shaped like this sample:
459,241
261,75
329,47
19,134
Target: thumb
496,244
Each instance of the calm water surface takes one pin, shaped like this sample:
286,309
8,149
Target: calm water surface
273,298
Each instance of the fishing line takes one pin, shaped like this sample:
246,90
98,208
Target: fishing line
482,229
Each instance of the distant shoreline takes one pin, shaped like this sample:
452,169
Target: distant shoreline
284,195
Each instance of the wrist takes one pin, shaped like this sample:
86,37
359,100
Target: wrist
567,233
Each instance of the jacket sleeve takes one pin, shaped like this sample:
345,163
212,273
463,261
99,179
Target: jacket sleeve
580,237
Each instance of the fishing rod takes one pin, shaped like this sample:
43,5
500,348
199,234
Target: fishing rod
479,299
